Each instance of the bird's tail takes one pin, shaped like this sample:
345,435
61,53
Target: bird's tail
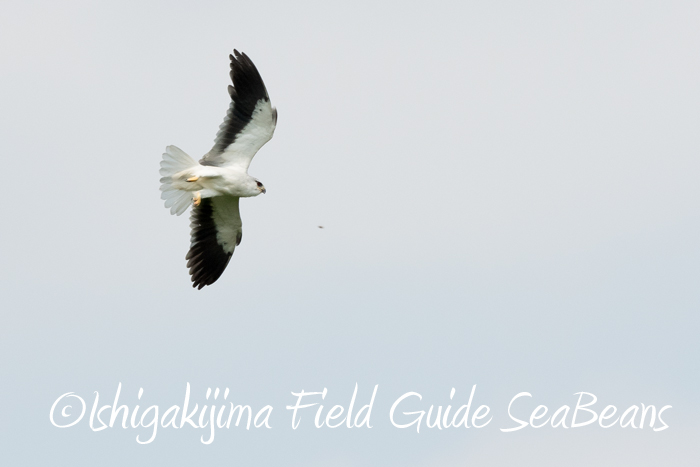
175,160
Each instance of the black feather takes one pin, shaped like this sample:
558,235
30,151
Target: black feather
247,90
206,258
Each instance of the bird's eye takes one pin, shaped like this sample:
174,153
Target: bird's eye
259,184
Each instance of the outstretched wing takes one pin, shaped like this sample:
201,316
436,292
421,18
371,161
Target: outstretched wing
216,231
250,121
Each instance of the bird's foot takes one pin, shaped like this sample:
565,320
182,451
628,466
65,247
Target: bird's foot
197,198
193,179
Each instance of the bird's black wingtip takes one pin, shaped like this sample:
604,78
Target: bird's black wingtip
206,258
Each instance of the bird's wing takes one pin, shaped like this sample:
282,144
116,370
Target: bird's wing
250,121
216,231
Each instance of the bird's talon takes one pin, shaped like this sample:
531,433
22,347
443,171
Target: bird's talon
197,199
193,179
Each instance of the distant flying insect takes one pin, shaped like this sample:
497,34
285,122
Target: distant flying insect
215,184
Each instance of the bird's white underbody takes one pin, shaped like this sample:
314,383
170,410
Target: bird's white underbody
216,181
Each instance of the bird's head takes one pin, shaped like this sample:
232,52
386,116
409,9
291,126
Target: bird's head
251,187
260,187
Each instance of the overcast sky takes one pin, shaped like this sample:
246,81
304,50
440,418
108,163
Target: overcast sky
509,194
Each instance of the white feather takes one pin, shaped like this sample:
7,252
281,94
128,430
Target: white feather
175,160
254,135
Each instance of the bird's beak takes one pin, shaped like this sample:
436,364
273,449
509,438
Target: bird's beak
263,190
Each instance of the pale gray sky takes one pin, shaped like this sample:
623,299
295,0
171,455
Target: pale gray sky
509,194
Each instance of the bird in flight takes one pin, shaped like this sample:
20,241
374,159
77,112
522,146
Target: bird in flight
214,185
